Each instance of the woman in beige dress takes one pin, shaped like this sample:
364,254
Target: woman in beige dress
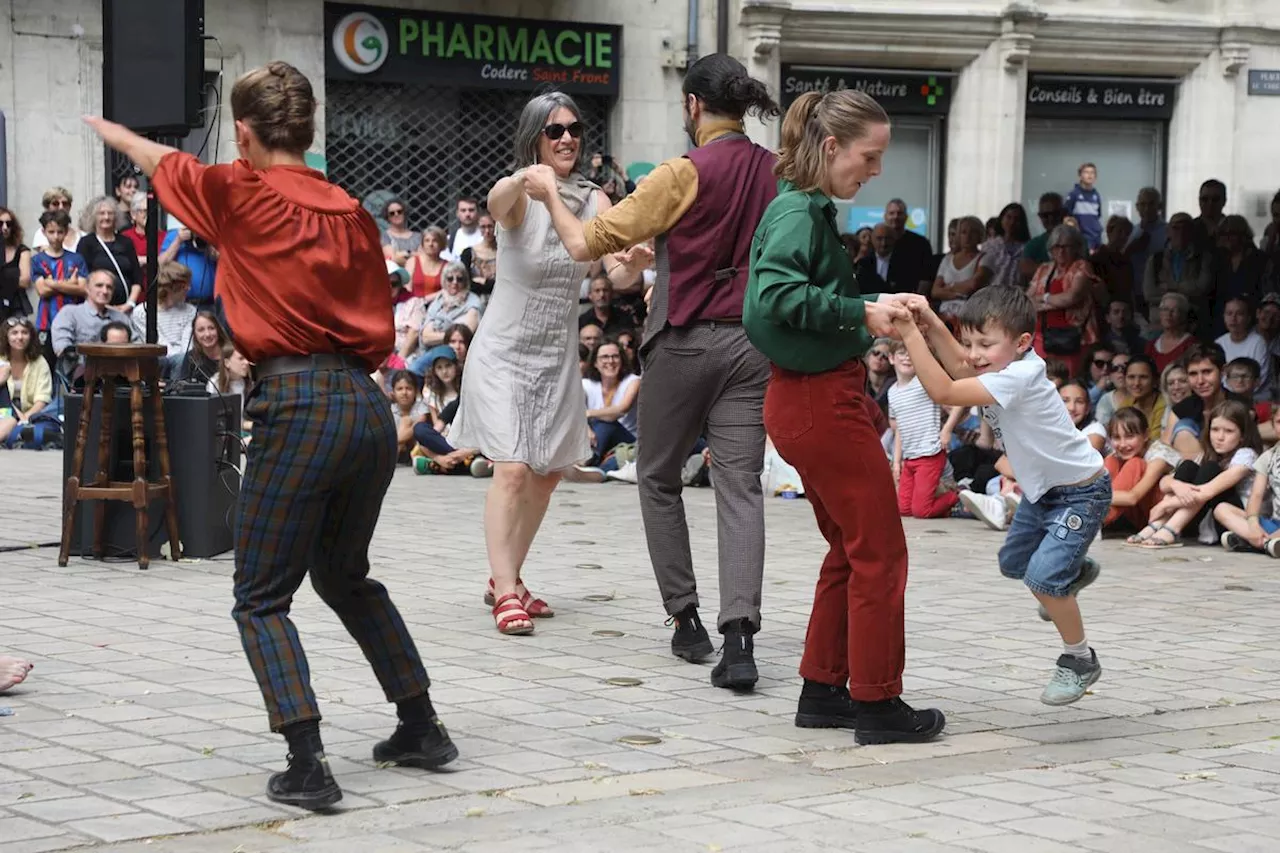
522,403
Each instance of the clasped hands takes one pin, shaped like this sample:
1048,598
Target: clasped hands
893,314
539,182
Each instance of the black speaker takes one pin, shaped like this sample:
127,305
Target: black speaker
204,456
153,64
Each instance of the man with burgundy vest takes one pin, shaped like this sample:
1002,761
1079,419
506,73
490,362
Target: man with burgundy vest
702,377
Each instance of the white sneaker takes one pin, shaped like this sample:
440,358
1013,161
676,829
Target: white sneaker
988,509
625,474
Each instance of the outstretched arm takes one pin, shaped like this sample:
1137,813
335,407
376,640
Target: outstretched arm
144,152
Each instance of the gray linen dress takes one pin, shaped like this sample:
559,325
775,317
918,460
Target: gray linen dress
522,397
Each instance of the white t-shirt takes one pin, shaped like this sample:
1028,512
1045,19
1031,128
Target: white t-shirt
1095,428
462,240
1043,445
1254,346
918,419
1248,458
595,399
1268,465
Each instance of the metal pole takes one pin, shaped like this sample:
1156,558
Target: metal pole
153,258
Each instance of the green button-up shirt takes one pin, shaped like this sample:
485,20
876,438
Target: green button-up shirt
802,308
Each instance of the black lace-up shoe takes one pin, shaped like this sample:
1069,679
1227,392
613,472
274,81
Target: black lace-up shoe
894,721
426,748
826,706
307,783
737,667
690,640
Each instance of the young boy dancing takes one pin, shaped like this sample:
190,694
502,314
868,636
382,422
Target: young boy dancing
1066,490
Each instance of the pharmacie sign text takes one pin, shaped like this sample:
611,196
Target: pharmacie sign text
470,50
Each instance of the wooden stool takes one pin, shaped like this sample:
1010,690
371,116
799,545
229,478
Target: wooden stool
138,364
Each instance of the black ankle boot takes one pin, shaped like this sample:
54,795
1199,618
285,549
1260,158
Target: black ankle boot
307,783
894,721
737,667
425,747
825,706
690,640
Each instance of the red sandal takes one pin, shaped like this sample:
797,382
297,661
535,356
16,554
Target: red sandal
511,617
536,607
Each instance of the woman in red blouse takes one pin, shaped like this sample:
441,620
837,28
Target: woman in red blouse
1064,292
324,442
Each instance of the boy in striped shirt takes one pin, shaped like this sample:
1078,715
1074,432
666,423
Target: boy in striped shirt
59,277
918,455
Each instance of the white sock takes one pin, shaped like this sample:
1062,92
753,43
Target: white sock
1080,650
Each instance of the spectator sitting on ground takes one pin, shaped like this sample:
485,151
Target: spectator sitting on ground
1252,528
1241,341
1204,364
442,385
25,380
627,340
1136,465
1175,340
611,391
1224,473
174,315
880,375
82,323
1241,378
208,339
1137,389
426,265
409,315
1097,377
458,338
1057,372
408,408
603,312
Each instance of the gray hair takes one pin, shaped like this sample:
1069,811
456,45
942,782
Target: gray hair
1178,302
88,218
139,201
460,269
533,118
1067,235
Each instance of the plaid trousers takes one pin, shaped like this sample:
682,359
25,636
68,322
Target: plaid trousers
322,456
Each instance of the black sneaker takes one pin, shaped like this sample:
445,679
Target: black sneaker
690,639
1234,542
408,748
307,783
894,721
826,706
737,667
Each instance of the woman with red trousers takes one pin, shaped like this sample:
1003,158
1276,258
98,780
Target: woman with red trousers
804,311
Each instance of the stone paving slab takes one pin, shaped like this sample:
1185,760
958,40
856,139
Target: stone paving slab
142,729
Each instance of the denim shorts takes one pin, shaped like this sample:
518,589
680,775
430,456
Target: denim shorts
1048,539
1269,525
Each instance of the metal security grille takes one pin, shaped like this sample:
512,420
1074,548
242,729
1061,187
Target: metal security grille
429,144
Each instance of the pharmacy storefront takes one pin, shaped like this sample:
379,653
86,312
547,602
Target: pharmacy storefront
917,103
423,105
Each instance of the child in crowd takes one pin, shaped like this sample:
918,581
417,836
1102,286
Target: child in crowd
918,456
1059,372
408,408
1241,378
59,277
1066,489
1256,527
115,332
443,383
1084,204
1224,474
1136,465
1076,398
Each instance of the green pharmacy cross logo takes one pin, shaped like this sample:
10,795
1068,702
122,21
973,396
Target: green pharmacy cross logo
374,44
931,91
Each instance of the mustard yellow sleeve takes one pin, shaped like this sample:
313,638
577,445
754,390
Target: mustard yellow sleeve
658,202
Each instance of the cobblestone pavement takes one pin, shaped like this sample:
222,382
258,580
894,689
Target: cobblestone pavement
141,728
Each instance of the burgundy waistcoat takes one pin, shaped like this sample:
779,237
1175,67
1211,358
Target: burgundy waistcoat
703,260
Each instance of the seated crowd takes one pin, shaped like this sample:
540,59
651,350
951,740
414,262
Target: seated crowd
1163,341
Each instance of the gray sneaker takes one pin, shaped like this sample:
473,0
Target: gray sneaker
1089,571
1071,679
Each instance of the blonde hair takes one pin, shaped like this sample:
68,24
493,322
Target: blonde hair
170,277
277,101
847,114
976,225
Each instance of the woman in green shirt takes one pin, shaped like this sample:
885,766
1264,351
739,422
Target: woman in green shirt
804,311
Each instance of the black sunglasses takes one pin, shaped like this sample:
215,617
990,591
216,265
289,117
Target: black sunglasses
1119,367
1101,362
394,212
455,278
555,131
